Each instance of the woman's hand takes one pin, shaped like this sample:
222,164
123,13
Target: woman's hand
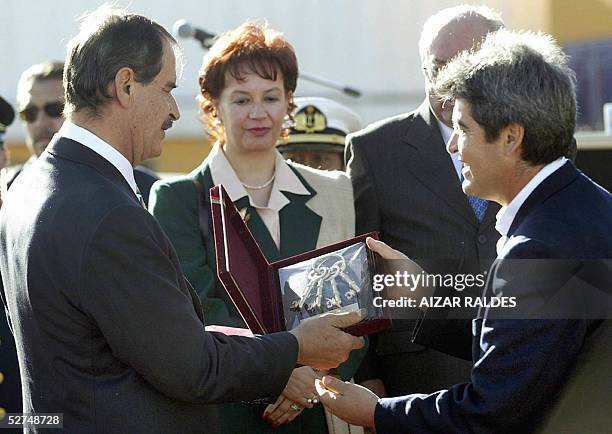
299,393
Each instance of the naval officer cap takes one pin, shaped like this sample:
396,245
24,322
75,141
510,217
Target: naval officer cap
7,114
320,125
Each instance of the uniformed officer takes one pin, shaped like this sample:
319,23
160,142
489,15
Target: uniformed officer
317,136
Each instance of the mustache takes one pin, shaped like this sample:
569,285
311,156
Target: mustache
167,124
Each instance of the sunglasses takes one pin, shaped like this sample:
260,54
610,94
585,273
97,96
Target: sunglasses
52,109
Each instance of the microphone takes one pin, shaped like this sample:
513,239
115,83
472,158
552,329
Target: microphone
183,29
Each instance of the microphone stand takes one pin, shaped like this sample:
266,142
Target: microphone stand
350,91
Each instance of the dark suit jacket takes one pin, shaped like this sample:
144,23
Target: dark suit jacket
406,187
108,330
520,366
10,389
145,178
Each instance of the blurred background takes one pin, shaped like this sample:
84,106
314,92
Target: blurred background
370,45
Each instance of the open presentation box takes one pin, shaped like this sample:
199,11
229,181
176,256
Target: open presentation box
277,296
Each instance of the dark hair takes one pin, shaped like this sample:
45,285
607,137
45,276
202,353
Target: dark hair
519,77
251,48
108,41
50,70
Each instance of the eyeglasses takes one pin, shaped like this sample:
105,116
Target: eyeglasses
52,109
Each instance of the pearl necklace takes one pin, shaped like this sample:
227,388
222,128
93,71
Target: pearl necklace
259,187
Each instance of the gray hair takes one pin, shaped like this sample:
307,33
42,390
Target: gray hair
517,77
491,19
111,39
50,70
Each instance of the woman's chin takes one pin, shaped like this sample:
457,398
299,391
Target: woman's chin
259,146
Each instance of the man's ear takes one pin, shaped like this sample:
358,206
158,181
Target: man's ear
124,86
513,135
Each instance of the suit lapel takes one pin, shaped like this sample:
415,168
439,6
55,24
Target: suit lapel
259,229
489,218
431,163
205,178
300,225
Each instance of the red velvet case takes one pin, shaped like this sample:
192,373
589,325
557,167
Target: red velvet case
253,283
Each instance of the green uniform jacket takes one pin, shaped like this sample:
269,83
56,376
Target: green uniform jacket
323,217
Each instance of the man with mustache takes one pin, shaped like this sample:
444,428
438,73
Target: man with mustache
108,331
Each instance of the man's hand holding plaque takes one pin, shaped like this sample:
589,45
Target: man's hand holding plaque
322,343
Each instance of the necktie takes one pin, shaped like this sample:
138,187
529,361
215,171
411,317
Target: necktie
479,206
140,199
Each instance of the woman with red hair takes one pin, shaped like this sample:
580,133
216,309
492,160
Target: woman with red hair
247,82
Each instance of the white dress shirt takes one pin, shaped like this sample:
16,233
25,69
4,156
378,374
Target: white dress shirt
447,132
222,172
102,148
506,214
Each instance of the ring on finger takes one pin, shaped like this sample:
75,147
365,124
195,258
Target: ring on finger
295,407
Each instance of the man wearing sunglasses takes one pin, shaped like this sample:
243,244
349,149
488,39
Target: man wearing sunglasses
40,103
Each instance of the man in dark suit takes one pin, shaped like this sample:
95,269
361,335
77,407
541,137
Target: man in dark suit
514,116
408,188
108,331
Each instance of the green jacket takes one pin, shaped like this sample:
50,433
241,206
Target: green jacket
175,204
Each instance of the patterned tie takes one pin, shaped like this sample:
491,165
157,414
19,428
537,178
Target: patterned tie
140,199
479,206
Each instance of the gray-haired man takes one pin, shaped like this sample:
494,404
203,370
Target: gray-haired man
408,188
